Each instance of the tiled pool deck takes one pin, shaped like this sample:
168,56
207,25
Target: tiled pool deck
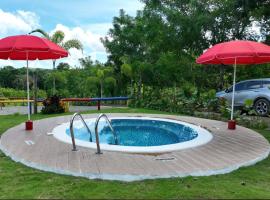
227,151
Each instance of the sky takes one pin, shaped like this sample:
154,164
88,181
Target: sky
86,20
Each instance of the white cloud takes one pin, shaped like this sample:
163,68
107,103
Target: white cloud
73,58
20,22
255,29
88,37
6,63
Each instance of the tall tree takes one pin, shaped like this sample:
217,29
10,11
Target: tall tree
86,62
58,38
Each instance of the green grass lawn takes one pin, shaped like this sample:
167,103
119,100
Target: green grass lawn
19,181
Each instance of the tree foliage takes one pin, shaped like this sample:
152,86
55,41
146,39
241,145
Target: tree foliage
158,46
58,38
151,56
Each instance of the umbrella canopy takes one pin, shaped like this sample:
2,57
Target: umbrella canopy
29,47
244,52
236,52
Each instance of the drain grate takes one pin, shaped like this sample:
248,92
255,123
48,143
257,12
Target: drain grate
165,159
29,142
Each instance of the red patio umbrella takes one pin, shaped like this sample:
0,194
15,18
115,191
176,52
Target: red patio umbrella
239,52
29,47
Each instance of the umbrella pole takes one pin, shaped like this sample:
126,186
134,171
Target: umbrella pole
234,75
29,123
28,98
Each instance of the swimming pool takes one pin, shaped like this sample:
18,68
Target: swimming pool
137,134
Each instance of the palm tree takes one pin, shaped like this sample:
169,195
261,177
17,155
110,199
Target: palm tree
58,38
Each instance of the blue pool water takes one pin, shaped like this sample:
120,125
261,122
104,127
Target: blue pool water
138,132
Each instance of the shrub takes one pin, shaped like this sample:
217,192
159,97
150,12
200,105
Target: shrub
52,105
189,90
248,107
254,122
225,109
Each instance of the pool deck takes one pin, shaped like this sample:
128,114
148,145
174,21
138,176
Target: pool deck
227,151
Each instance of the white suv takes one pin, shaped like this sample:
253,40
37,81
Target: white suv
257,90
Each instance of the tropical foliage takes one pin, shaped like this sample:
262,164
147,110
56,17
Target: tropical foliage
154,52
52,105
152,55
58,38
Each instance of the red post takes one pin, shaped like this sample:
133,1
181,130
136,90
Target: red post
232,124
98,105
29,125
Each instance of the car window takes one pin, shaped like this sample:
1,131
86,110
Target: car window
266,84
240,86
247,85
253,85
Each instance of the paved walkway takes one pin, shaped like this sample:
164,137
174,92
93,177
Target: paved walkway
227,151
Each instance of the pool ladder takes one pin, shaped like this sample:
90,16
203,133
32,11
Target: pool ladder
96,130
74,148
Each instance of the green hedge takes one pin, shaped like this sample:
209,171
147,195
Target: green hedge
10,92
184,100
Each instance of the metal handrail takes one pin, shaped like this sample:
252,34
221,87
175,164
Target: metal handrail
96,131
72,131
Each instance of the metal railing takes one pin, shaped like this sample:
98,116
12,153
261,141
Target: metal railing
96,131
72,131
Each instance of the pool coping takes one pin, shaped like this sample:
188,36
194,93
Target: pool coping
204,136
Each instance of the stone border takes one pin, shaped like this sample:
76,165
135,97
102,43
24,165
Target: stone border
203,137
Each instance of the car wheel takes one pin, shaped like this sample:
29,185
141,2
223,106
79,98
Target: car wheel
262,107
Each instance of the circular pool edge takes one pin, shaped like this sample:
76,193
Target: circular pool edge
204,136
